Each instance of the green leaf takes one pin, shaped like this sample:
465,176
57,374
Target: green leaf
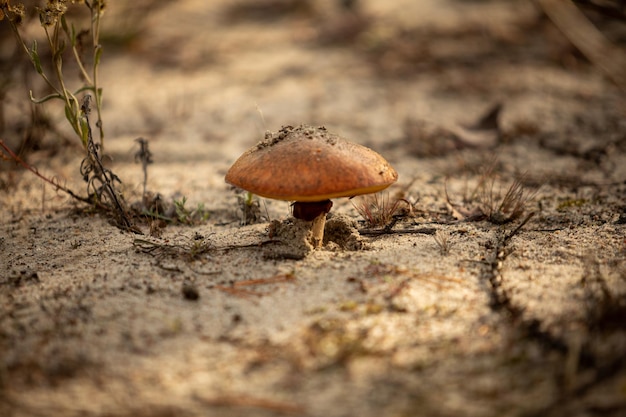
64,24
98,55
72,35
84,131
68,116
34,56
71,117
61,49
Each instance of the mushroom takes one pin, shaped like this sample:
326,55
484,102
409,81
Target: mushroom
310,166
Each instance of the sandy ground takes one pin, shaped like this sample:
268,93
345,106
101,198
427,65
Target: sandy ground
444,313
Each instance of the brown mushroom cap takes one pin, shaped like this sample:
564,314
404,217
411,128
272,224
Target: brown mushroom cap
310,164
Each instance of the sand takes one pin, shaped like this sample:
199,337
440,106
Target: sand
444,303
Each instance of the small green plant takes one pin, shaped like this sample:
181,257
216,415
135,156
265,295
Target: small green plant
250,208
155,208
61,34
190,216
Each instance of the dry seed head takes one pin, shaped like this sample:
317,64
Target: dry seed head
14,13
50,14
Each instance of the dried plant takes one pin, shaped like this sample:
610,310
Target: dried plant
8,155
59,35
442,239
493,199
102,190
377,210
101,181
144,156
502,209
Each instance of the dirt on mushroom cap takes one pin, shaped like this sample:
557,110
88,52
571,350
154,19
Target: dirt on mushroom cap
310,164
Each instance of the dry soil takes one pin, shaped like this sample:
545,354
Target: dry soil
461,305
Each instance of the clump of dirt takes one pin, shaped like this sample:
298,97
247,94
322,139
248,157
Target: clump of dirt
341,233
302,131
293,236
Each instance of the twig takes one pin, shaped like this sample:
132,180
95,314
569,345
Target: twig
235,288
385,231
238,292
519,227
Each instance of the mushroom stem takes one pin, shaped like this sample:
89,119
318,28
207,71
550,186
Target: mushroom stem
316,212
317,230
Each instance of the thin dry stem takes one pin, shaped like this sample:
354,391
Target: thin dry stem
442,238
487,202
510,207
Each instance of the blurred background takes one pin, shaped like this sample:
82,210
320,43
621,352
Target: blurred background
232,69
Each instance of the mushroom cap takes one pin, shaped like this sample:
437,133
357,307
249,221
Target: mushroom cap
309,164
